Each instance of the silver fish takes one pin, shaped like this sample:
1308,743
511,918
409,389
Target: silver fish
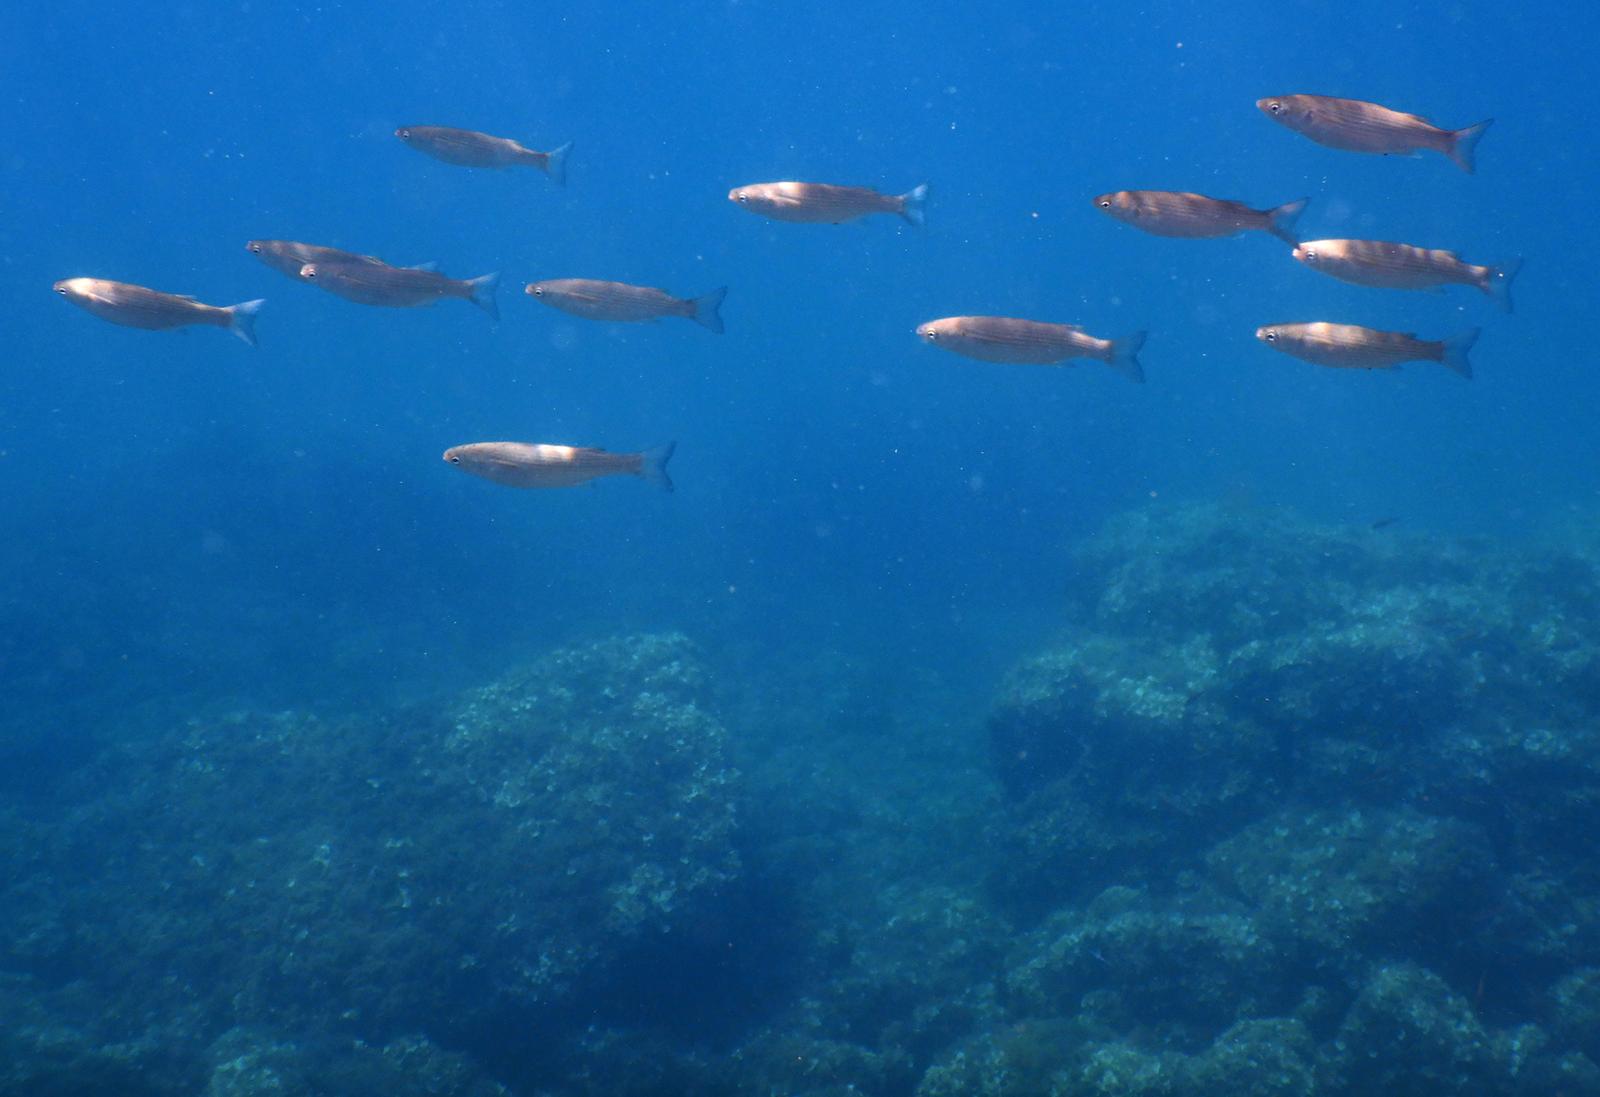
1194,216
400,287
1403,266
1360,126
288,256
138,307
624,303
471,149
1347,346
532,465
824,203
1031,342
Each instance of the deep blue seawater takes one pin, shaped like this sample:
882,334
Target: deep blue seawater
191,525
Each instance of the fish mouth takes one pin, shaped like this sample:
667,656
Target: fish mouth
1299,253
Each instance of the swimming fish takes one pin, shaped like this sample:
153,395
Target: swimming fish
1177,213
138,307
1403,266
471,149
400,287
824,203
1030,342
1367,127
1346,346
596,300
288,256
527,465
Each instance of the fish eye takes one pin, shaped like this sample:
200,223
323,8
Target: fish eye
538,291
931,336
256,248
1271,336
1311,256
742,197
62,290
455,460
1105,203
403,134
1275,108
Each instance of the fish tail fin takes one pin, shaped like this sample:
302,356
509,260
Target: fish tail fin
555,164
653,465
1124,356
1464,144
705,309
911,203
1498,284
1284,221
242,319
482,295
1454,355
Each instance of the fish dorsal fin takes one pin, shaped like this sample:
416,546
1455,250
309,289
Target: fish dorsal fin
431,266
185,296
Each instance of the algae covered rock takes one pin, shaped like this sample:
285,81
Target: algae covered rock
1183,968
1333,884
424,870
1408,1033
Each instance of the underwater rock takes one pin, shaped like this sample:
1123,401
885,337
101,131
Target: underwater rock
922,978
1408,1033
1576,1010
437,870
252,1063
53,1044
789,1062
1273,1057
1183,969
1329,886
1119,761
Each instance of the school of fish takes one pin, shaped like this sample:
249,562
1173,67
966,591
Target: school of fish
1348,124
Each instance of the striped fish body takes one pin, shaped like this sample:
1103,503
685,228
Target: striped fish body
138,307
535,465
381,284
1175,213
823,203
468,148
1020,342
1359,126
1348,346
1391,266
1355,125
288,256
616,301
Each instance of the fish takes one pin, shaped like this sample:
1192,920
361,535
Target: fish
1031,342
288,256
596,300
1347,346
470,149
1194,216
400,287
824,203
533,465
1358,126
1404,266
139,307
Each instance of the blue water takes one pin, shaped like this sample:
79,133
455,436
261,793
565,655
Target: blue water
190,523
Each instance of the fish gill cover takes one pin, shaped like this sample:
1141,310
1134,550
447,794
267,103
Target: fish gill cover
965,723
